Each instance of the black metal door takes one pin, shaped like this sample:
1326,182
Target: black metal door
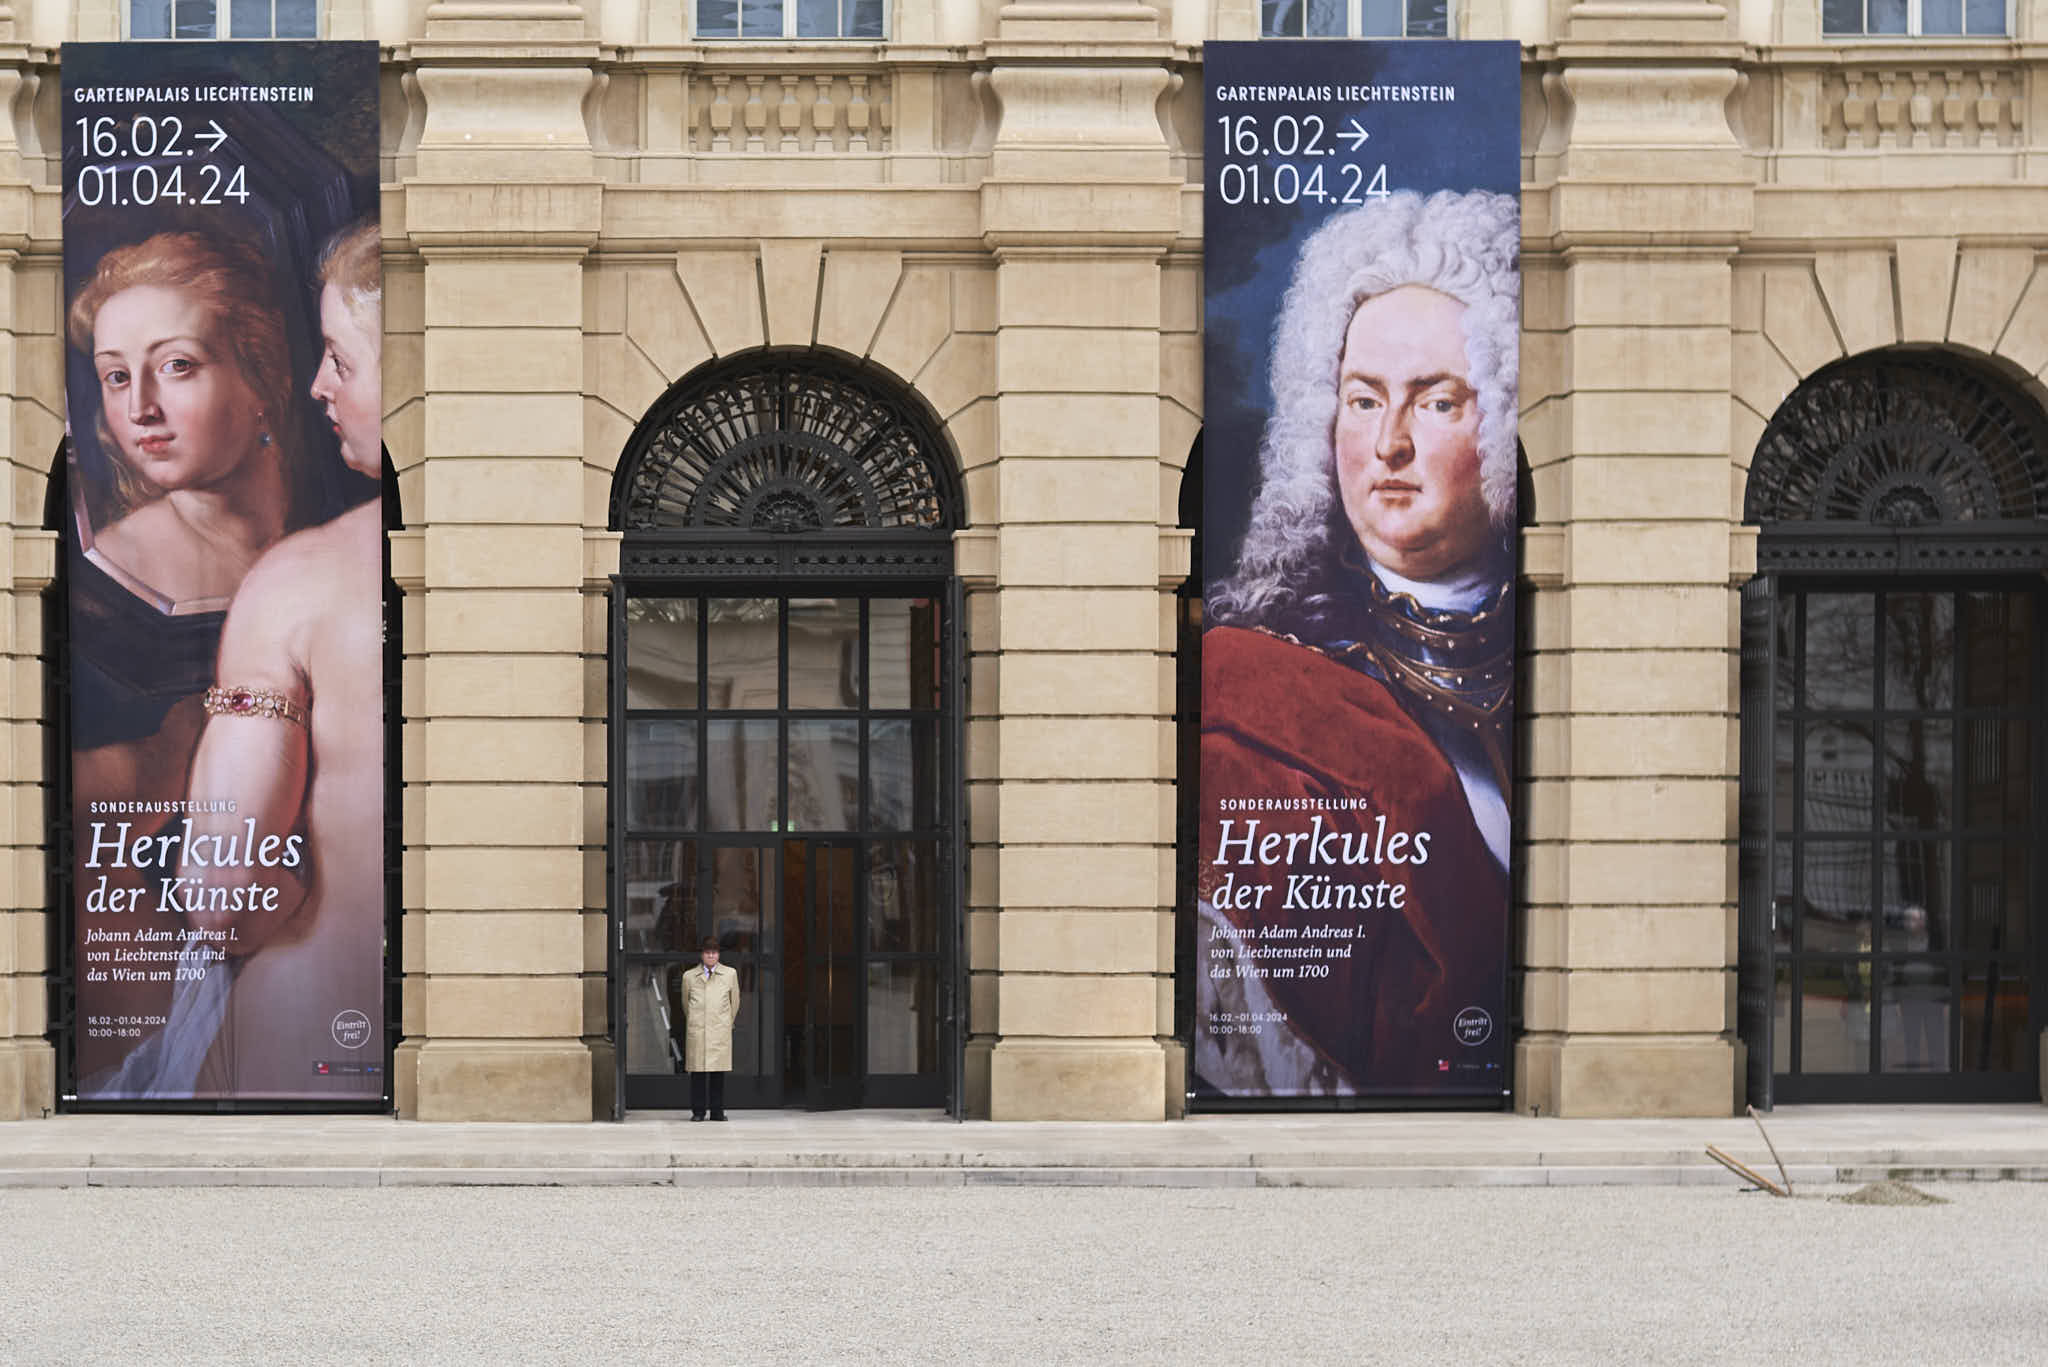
1901,745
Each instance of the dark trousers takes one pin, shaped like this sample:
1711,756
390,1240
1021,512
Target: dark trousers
707,1087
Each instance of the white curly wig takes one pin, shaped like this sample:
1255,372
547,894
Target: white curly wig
1465,245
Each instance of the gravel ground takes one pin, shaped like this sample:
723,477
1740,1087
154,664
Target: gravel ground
1607,1275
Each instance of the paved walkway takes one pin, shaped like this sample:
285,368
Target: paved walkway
1818,1144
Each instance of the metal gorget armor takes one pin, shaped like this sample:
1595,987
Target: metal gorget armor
1446,668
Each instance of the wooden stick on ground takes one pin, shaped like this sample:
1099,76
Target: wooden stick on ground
1746,1173
1773,1148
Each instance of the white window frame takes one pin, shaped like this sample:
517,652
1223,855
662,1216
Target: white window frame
789,33
1354,23
223,22
1914,21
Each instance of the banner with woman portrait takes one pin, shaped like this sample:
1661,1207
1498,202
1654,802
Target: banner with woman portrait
1362,287
223,314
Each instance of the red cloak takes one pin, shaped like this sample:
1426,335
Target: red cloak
1281,722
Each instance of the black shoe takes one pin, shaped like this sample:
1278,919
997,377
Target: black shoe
696,1115
719,1116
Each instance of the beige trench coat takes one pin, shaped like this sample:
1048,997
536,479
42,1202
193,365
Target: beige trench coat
709,1009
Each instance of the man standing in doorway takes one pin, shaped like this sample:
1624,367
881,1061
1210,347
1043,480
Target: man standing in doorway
711,1003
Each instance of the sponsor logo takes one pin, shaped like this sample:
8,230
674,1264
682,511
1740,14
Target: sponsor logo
1474,1025
352,1029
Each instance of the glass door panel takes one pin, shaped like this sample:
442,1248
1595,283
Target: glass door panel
661,888
743,654
654,1029
903,896
834,969
824,653
903,1018
1914,998
903,653
1997,1037
740,773
824,776
661,653
661,774
1834,1023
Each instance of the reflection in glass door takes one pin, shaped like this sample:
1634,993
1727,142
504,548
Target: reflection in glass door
820,1011
1904,742
785,767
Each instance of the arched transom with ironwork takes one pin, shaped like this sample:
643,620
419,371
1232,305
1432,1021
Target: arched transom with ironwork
1901,439
786,444
1902,459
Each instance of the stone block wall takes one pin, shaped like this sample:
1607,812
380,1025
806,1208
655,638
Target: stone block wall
1001,210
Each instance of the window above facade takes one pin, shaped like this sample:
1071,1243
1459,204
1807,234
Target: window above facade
223,19
1914,18
1354,18
768,19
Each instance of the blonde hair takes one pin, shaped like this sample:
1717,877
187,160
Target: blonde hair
233,283
353,262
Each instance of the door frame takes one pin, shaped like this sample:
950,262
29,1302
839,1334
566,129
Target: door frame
1758,958
762,565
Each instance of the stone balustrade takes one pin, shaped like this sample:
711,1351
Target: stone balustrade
1923,107
806,112
1896,116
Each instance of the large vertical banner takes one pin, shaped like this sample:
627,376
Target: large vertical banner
223,310
1361,233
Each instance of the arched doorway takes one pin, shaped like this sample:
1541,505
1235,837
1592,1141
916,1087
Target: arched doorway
1892,737
785,711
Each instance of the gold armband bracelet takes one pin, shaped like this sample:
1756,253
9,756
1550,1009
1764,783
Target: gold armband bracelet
253,702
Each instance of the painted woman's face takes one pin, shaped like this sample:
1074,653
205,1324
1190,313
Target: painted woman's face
350,382
180,411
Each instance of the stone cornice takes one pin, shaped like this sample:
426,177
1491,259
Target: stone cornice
1917,52
535,215
948,217
793,56
1096,52
2012,211
432,52
1655,51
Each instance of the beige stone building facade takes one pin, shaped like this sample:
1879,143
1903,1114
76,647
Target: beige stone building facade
993,213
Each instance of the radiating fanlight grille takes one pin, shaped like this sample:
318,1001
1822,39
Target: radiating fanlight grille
1901,440
787,445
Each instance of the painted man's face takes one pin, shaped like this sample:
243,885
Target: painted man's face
1407,435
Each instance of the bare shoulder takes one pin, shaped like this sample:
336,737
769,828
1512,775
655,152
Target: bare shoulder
296,584
310,562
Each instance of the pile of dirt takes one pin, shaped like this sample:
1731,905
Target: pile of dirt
1891,1192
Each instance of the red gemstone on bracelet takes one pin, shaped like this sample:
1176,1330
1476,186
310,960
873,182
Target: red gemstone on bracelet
242,701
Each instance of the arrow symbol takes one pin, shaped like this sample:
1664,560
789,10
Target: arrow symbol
1353,135
219,135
